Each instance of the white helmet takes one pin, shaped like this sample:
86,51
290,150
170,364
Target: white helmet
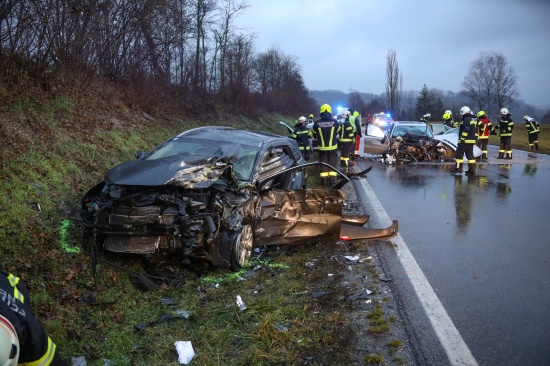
427,115
526,117
465,110
9,343
504,111
302,119
449,111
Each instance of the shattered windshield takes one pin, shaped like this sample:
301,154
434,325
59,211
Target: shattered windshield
411,131
242,156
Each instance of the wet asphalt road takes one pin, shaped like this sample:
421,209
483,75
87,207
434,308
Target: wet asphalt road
483,243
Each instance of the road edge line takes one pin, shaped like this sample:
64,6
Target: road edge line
457,351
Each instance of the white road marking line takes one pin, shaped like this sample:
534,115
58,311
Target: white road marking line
457,350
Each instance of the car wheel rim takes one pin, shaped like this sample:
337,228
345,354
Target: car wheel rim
244,245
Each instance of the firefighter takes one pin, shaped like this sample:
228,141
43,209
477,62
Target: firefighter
346,141
326,130
425,118
22,339
533,130
358,134
302,134
448,119
467,135
311,119
484,129
505,126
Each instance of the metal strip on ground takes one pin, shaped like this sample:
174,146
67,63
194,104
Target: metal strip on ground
451,340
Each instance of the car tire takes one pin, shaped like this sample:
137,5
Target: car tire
241,245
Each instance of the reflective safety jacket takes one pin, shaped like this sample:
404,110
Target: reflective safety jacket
326,130
532,125
302,134
347,131
505,126
484,128
35,347
467,131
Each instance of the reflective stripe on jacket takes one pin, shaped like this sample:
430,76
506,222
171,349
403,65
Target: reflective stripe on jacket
468,129
326,131
36,348
532,126
506,126
347,131
302,134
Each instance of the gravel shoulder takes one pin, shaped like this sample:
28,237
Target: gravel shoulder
368,278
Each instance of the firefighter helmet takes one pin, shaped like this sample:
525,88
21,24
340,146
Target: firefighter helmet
449,111
311,115
504,111
480,114
9,343
302,119
526,117
325,108
465,110
427,115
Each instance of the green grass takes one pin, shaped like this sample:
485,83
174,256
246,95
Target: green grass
53,170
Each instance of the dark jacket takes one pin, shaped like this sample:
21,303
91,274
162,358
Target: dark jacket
467,131
505,126
532,126
302,134
326,130
34,343
347,132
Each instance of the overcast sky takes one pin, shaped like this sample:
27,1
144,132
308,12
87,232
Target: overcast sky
343,44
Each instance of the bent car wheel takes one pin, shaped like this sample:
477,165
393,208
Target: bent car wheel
241,246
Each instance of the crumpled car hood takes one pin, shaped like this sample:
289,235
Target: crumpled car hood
182,170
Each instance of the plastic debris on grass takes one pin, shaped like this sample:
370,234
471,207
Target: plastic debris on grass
240,303
185,351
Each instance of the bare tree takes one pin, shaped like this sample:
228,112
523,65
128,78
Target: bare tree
490,82
223,34
394,82
505,80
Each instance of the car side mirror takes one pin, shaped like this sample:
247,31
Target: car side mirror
139,154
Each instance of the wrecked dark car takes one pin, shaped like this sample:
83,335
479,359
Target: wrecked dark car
214,193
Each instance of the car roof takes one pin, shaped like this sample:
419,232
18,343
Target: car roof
230,134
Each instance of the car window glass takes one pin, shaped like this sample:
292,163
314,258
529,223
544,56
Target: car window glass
244,167
276,160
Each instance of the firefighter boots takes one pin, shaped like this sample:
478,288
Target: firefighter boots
509,157
471,169
457,168
536,145
500,155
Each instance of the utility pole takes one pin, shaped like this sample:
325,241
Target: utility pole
354,97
